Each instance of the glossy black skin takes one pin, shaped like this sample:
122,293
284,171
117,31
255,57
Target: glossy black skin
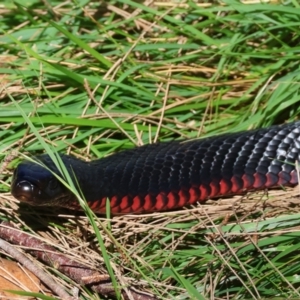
151,172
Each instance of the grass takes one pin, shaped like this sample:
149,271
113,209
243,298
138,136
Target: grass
97,78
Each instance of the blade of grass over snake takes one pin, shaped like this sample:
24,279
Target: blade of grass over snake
70,184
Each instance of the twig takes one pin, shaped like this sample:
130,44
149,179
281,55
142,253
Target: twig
78,272
46,279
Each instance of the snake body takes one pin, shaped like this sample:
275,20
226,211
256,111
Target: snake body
169,175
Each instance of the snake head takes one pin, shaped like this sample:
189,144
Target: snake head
34,184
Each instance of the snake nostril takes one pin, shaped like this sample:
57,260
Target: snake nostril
23,190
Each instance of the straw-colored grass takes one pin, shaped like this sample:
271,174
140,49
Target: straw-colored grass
93,78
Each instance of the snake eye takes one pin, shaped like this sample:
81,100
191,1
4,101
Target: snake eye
24,191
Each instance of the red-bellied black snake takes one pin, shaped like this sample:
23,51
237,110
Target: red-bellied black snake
170,175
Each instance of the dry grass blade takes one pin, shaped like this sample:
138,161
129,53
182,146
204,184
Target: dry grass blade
94,78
